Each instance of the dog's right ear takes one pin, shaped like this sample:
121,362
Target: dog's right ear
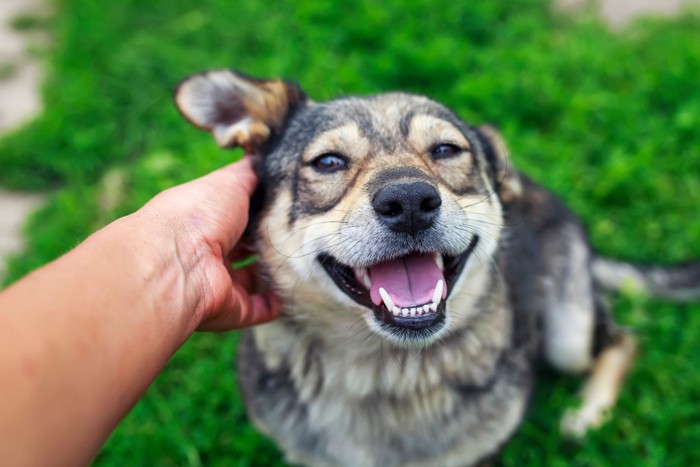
237,109
506,179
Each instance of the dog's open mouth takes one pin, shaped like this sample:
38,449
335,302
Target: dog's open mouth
408,292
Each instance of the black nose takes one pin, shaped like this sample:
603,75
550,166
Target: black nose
407,207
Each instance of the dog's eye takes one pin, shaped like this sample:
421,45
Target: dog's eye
328,163
445,150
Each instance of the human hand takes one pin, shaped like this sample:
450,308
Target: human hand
135,290
205,218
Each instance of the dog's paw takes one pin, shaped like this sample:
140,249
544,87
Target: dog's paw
577,422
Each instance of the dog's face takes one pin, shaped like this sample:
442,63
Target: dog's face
386,208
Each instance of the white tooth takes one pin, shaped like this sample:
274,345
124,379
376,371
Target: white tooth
433,306
413,312
440,261
388,302
419,310
396,311
437,294
426,308
404,312
365,278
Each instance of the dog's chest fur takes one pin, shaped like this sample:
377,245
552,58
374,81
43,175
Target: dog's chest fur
344,402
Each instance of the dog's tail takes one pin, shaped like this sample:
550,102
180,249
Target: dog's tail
678,282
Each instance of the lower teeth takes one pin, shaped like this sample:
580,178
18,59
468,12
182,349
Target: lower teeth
415,311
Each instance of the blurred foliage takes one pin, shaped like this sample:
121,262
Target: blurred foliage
607,120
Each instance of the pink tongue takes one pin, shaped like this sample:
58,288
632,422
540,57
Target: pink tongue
410,281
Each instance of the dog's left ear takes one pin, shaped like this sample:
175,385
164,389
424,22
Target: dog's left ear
240,111
505,178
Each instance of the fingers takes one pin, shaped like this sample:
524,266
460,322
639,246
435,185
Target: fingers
245,277
265,307
245,310
218,205
245,306
233,185
219,202
237,176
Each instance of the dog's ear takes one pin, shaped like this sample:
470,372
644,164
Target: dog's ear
237,109
505,178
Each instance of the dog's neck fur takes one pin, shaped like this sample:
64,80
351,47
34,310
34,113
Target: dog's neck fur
337,382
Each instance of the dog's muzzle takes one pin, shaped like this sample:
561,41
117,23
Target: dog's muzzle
405,293
408,288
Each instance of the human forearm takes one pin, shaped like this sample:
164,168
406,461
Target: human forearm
82,338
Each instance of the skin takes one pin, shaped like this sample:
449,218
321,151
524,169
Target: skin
82,338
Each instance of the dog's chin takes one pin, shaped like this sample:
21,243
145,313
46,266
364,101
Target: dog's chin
417,321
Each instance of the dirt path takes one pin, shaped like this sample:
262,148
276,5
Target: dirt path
20,77
19,99
619,12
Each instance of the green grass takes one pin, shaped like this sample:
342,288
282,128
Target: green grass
608,121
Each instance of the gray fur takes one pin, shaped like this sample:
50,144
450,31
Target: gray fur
453,404
332,385
457,401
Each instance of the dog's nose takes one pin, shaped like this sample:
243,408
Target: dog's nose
407,207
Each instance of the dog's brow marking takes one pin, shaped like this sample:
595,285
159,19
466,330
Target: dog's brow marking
429,129
346,139
370,125
405,124
377,140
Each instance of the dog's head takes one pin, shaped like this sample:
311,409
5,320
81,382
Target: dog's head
388,208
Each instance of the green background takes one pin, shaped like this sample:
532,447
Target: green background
609,121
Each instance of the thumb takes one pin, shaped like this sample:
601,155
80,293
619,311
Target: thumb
233,178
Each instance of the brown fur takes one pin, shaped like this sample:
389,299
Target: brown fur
339,380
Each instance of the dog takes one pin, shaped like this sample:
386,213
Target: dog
423,278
